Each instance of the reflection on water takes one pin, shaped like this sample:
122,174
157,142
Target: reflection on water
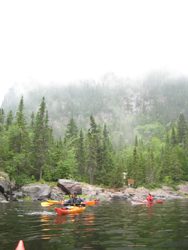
102,226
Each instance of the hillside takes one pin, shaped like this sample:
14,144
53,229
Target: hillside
124,105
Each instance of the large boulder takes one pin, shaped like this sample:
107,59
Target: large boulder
36,191
2,197
56,194
69,186
5,184
183,189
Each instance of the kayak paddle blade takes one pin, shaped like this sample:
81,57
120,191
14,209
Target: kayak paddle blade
45,204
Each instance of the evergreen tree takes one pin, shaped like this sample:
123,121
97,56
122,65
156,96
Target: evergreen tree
182,128
93,148
2,118
9,120
136,141
41,139
72,130
18,144
81,156
173,138
32,120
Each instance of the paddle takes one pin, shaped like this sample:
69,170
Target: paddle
46,204
89,203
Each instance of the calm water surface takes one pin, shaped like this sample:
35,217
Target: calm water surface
102,226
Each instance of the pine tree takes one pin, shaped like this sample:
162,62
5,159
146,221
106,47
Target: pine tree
81,156
9,120
41,139
2,118
173,138
72,130
19,142
182,128
93,148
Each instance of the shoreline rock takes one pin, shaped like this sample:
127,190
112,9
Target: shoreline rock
42,192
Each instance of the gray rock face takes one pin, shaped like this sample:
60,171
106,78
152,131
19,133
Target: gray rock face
5,183
16,196
69,186
183,189
56,194
2,197
36,191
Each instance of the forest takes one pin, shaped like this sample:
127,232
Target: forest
97,132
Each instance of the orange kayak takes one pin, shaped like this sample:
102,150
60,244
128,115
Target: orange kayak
69,210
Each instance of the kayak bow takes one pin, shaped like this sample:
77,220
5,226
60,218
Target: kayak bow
20,245
140,202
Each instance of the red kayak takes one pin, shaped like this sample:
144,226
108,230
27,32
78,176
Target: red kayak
140,202
20,245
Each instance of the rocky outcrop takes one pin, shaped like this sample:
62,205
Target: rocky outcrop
56,194
2,197
183,188
5,183
69,186
122,194
6,186
36,191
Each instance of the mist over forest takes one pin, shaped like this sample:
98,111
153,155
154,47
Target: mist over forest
128,107
96,131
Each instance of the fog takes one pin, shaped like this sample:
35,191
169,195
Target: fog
66,41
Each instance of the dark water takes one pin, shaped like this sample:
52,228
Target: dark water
102,226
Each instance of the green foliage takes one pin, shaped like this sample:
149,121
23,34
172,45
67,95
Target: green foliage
22,179
101,185
89,152
27,199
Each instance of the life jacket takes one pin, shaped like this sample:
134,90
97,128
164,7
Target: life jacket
75,201
148,198
151,198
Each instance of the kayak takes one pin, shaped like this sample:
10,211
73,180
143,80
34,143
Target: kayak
89,203
20,245
140,202
56,202
69,210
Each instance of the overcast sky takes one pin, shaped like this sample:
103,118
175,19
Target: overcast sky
80,39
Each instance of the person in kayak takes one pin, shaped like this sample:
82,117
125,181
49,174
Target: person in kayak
74,200
149,198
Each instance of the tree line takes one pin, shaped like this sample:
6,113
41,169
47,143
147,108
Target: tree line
29,152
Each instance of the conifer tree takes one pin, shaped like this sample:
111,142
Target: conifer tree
81,156
41,139
9,120
182,128
2,118
93,147
19,141
173,138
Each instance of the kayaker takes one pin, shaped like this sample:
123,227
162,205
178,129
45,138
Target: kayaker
149,198
74,200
